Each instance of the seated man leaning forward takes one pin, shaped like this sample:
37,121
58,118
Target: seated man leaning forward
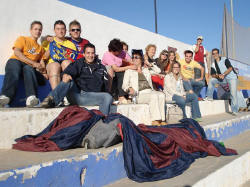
84,82
60,53
174,91
187,71
223,72
138,82
24,62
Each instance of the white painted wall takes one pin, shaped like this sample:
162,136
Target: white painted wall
16,16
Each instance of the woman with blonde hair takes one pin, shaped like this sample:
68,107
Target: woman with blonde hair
149,60
174,91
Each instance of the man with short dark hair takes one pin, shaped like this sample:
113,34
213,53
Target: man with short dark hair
59,53
84,82
187,71
223,72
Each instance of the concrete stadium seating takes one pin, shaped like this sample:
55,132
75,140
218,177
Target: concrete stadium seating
80,167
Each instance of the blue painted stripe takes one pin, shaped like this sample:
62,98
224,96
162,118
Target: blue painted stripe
231,129
99,171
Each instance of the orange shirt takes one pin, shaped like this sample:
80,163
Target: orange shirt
29,47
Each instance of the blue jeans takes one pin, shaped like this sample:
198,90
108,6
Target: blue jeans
14,70
78,97
241,101
233,91
190,98
194,85
197,72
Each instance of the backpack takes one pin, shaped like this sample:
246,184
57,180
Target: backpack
102,135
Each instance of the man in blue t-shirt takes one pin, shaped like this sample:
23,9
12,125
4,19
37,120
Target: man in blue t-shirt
223,72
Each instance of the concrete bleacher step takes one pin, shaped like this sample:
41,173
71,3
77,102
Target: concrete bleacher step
246,184
80,167
16,122
231,171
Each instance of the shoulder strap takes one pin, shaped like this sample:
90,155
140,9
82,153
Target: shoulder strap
232,67
217,67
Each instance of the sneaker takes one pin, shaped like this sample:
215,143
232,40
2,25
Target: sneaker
164,123
32,101
234,113
200,99
48,102
65,101
208,99
4,100
198,119
115,103
156,123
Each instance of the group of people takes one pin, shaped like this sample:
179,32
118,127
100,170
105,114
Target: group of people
78,76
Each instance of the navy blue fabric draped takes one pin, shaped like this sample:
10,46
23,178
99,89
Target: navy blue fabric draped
150,153
154,153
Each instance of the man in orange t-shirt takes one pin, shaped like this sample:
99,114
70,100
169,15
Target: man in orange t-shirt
24,62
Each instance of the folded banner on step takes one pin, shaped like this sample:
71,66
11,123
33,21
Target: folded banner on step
150,153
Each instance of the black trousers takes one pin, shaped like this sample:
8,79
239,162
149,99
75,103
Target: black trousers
117,90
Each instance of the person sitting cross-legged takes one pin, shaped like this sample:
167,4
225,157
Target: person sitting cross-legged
84,82
138,83
174,91
25,62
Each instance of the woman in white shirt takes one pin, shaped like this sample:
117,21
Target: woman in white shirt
138,82
174,91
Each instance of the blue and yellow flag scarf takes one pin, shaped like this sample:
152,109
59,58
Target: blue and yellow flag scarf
60,53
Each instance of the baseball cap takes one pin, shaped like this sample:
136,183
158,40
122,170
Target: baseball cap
200,37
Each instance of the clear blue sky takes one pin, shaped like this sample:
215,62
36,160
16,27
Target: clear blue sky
182,20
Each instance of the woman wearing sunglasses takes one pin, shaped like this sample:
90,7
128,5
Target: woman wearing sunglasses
138,83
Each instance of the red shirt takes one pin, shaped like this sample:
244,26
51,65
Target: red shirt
199,55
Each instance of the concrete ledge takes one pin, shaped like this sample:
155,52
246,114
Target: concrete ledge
233,174
16,122
225,129
208,108
68,168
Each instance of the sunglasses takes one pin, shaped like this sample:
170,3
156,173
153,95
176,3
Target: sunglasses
165,54
75,30
136,57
